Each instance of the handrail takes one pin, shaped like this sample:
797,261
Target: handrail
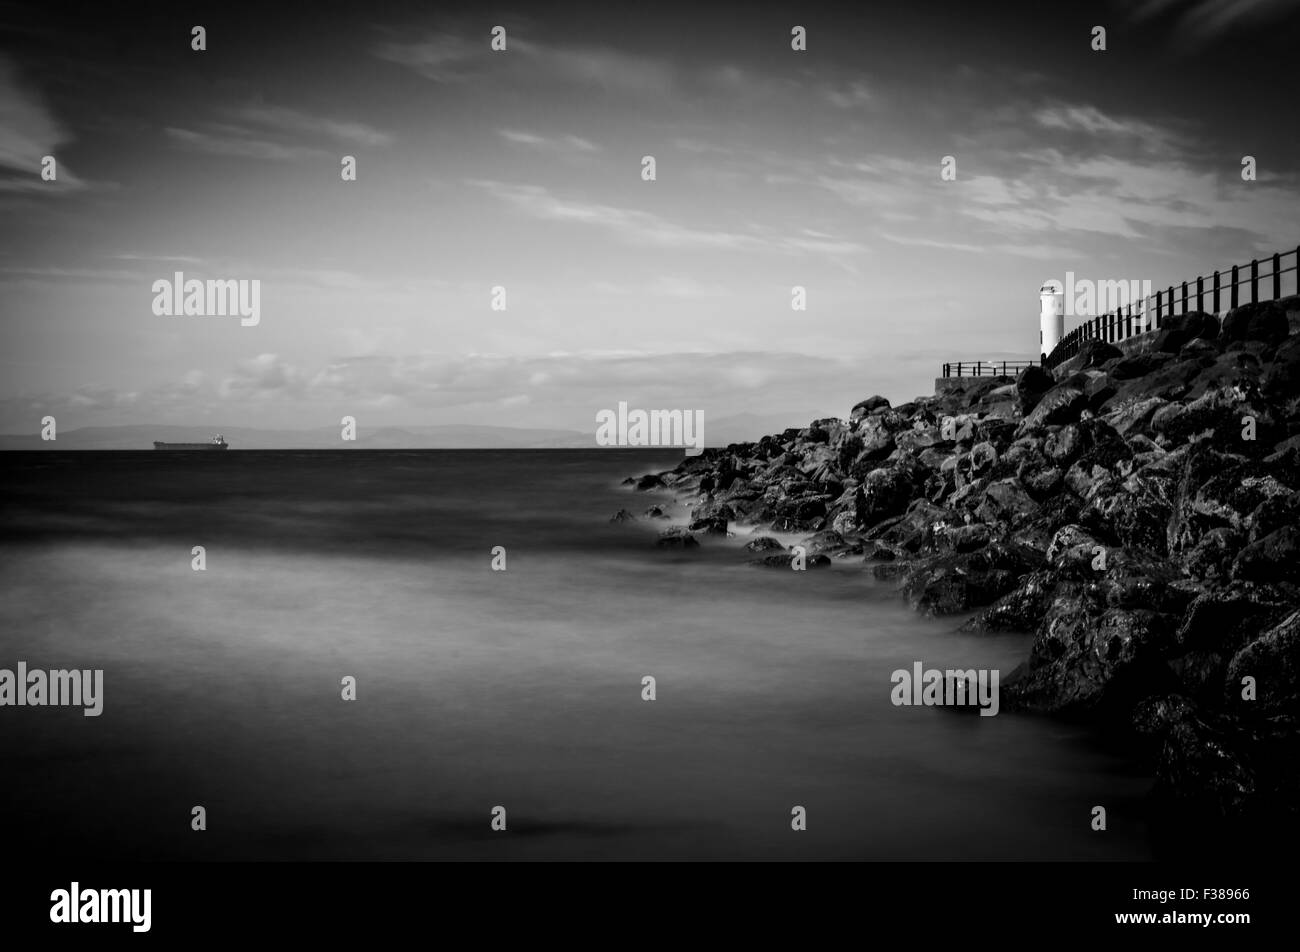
1137,318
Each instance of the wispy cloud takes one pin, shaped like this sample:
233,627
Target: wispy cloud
568,143
1198,21
31,131
275,133
642,227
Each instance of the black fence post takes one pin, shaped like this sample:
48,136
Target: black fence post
1277,276
1184,297
1235,282
1200,295
1158,293
1254,280
1171,300
1216,292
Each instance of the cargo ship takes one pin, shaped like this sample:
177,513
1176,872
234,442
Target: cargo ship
218,442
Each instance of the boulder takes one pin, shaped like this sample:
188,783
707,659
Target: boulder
1265,321
1094,352
1282,378
1094,666
1061,404
1275,557
867,407
1031,384
1273,660
677,537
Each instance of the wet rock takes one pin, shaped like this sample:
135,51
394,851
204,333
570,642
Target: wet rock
1275,557
1005,501
677,537
710,526
1282,379
787,562
1273,660
649,481
1095,666
622,516
764,544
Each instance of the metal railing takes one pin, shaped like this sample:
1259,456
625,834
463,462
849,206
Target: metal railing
987,368
1151,312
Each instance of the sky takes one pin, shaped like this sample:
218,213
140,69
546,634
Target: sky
522,169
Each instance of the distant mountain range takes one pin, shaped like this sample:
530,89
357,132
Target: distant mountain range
731,429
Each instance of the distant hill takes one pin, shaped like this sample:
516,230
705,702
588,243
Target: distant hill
738,428
248,438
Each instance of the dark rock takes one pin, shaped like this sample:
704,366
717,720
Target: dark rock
787,562
1273,513
1275,557
1137,365
1177,331
1091,665
954,584
1282,379
886,492
1061,404
868,406
1005,501
656,512
1273,660
710,526
1265,321
622,516
649,481
1032,383
1095,352
677,537
1063,445
1021,609
969,538
764,544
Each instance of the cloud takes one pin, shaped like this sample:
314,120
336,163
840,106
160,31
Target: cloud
641,227
284,119
453,58
438,56
239,143
1198,21
568,143
853,96
31,131
263,377
275,133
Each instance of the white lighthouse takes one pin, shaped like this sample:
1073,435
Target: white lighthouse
1052,318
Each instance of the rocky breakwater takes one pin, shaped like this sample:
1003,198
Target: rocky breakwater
1139,515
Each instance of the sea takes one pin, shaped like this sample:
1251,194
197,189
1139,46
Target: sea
498,630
